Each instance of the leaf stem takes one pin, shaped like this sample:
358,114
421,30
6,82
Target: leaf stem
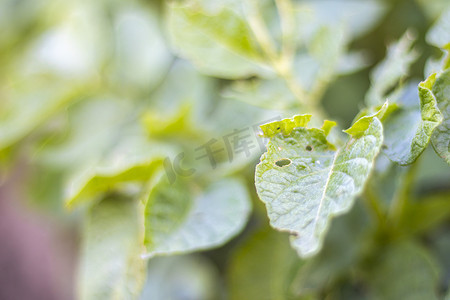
287,19
281,63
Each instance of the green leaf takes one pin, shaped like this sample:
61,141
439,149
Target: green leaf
111,266
179,219
439,34
391,70
357,16
319,182
134,160
181,277
404,270
263,267
262,93
24,109
408,130
441,135
217,40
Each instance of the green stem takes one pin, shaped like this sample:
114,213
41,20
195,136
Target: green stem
287,17
280,63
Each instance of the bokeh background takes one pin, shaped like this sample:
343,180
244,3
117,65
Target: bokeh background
77,77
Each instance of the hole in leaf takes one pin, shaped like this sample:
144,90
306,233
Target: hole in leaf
283,162
309,148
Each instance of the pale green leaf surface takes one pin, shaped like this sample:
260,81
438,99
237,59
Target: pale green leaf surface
179,219
143,57
439,34
408,130
262,93
441,136
391,70
404,271
219,41
317,182
263,267
111,266
357,16
181,277
24,109
132,161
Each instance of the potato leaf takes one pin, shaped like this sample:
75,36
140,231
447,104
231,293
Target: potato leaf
408,130
217,40
176,221
304,181
441,136
111,266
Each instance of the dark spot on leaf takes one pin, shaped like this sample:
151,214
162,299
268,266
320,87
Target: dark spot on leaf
283,162
384,147
309,148
278,128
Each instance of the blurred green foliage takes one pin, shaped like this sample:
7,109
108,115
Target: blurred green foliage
138,121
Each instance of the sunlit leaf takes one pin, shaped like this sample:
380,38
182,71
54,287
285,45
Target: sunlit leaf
318,182
24,109
262,93
357,16
391,70
180,219
409,129
441,135
218,40
181,277
111,266
439,34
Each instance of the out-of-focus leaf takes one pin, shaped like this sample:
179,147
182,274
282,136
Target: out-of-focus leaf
404,270
87,130
23,109
181,278
426,213
185,89
75,47
343,247
434,9
217,40
352,62
179,219
111,266
271,94
356,16
441,135
391,70
263,267
408,130
304,181
439,34
142,55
